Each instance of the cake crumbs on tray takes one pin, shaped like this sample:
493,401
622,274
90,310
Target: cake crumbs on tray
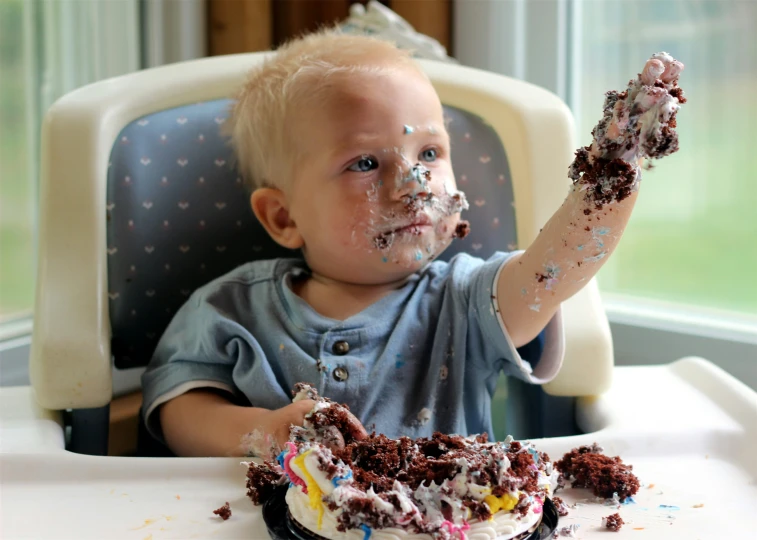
587,467
700,505
613,522
562,508
224,512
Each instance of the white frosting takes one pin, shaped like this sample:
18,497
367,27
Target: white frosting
405,508
502,526
311,462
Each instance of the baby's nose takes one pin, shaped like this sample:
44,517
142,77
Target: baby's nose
414,181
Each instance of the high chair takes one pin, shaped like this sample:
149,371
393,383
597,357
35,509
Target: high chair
140,205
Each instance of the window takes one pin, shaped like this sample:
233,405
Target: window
47,48
692,240
17,131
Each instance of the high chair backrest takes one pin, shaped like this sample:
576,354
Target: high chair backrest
140,205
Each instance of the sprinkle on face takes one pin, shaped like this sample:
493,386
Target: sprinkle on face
407,130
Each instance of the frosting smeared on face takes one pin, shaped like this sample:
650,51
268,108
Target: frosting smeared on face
421,222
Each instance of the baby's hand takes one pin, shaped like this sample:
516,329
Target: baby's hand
310,418
640,120
637,123
280,421
328,423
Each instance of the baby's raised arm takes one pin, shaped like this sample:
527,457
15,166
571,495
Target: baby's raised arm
638,123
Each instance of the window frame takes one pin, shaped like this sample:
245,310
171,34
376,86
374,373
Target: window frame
159,41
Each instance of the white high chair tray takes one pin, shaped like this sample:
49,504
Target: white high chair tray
688,429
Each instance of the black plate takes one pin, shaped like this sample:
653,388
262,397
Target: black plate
282,527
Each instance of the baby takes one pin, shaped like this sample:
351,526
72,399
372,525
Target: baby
343,141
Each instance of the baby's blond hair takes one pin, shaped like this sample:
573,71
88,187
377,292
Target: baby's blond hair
261,123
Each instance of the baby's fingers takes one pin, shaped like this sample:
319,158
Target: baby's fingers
673,67
353,428
652,71
661,66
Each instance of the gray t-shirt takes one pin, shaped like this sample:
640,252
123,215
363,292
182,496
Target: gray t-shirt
424,358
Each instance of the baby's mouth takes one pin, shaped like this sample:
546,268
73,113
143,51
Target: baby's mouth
415,226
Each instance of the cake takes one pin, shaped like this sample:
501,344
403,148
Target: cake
613,522
636,123
442,487
607,477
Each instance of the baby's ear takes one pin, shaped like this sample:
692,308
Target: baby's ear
271,209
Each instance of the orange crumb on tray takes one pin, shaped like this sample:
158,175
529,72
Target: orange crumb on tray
700,505
178,497
650,486
638,528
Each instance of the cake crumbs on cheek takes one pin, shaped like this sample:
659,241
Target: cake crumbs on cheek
388,231
462,230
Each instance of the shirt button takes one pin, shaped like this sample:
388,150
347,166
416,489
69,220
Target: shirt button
340,348
341,374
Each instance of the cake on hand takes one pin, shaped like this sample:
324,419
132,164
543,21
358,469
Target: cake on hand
444,487
331,424
638,123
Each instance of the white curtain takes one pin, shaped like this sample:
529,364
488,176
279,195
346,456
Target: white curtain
47,48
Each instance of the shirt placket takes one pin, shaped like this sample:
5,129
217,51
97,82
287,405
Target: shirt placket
341,375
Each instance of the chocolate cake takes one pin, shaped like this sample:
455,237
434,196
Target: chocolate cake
613,522
587,467
224,512
636,123
442,487
462,230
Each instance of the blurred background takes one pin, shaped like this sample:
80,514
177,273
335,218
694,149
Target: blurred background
684,280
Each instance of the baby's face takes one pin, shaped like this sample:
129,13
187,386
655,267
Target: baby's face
374,196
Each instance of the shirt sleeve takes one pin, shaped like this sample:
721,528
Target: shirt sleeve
537,362
196,351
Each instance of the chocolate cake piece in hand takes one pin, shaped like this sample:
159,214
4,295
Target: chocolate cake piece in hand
329,423
637,123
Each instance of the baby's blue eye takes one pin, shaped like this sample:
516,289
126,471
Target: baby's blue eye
364,164
429,155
